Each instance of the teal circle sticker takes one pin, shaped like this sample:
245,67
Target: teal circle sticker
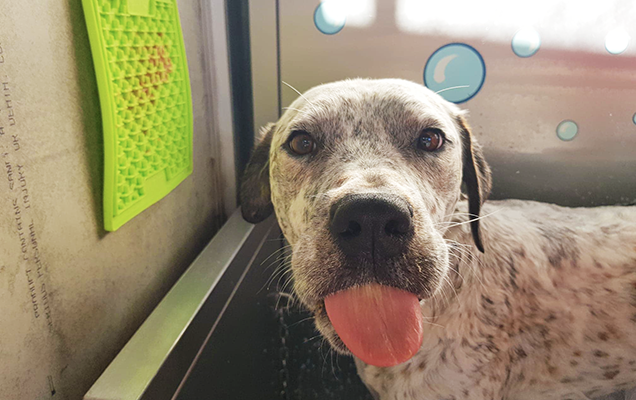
634,118
567,130
456,71
526,42
330,17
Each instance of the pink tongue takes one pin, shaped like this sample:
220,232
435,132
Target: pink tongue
380,325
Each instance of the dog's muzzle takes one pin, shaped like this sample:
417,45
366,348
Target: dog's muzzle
373,226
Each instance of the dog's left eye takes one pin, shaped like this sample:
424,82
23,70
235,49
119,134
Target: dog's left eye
430,140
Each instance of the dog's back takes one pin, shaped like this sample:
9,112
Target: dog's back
570,275
547,312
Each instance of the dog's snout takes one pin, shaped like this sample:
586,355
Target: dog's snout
377,225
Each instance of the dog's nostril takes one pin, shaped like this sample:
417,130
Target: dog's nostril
396,228
353,229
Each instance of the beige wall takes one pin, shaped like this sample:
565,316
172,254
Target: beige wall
98,286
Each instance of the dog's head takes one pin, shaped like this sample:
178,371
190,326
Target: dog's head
363,175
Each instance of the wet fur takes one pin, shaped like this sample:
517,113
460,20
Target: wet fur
546,311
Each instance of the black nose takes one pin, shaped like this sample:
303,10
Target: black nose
372,224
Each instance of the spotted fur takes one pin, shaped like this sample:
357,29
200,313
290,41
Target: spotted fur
546,311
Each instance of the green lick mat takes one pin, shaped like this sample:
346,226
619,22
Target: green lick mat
144,90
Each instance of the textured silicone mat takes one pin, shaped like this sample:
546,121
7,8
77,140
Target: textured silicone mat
144,91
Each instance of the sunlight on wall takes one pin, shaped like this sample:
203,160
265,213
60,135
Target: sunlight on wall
617,41
358,13
581,25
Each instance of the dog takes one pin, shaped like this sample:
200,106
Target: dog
380,189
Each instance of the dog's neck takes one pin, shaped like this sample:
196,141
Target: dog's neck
465,275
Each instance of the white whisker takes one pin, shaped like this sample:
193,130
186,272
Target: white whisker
282,269
300,94
474,219
277,251
299,322
447,280
289,297
464,254
313,338
434,324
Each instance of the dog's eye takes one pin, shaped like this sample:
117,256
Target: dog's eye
430,140
302,143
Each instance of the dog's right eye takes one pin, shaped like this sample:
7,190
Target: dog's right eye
301,143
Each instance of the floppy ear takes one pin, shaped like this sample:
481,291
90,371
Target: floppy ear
255,194
476,176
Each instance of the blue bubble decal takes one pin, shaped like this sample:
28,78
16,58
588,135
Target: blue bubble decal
455,71
526,42
330,17
567,130
634,118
